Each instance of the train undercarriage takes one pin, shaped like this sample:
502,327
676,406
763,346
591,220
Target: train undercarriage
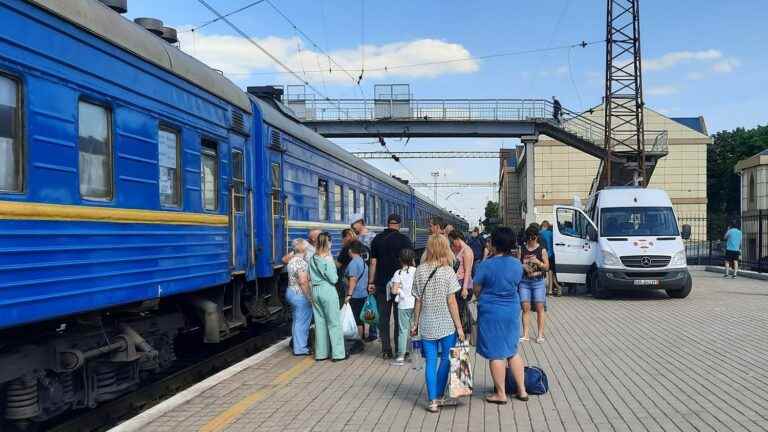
53,367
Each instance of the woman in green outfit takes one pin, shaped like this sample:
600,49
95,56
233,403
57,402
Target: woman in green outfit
325,301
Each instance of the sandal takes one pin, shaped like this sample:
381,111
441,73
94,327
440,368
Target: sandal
489,399
540,340
522,398
447,402
433,406
524,339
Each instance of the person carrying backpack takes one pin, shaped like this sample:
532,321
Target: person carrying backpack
366,238
356,273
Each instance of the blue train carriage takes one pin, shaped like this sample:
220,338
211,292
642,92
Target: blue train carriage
126,207
313,183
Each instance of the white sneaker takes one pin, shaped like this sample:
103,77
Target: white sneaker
398,361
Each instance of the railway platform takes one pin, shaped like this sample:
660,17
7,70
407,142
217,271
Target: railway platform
639,362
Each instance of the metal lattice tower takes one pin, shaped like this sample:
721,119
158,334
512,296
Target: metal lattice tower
624,125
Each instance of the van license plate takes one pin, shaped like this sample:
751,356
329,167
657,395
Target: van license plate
646,282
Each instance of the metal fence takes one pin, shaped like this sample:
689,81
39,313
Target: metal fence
707,244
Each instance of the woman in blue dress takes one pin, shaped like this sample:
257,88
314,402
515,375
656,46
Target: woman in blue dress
498,314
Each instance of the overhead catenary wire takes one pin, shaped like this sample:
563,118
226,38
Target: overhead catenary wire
582,44
314,44
262,49
228,14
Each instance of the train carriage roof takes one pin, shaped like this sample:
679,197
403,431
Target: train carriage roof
103,22
280,116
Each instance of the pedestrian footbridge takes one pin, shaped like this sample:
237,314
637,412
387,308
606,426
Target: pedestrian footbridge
472,118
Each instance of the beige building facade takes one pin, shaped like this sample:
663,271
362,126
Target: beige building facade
510,192
754,206
562,173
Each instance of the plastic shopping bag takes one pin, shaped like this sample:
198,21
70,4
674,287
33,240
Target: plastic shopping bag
460,381
348,324
370,312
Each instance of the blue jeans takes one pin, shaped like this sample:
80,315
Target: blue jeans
302,317
532,290
437,376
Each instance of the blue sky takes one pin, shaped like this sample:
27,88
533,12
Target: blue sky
701,57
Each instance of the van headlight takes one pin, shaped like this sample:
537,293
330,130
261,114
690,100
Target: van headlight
679,259
610,259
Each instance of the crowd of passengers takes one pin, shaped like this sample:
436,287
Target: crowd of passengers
505,272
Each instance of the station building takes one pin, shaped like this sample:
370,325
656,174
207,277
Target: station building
754,206
562,172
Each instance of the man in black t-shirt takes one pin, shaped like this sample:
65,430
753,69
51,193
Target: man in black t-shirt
385,261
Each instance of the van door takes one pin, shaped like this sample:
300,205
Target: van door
574,250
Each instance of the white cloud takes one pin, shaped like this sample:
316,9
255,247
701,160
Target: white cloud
235,56
672,59
726,66
663,90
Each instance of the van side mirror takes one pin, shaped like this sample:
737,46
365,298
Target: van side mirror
686,234
591,233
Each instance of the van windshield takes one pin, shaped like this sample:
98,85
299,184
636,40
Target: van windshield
638,221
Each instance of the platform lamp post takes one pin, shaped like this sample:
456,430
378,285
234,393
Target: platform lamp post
452,194
435,175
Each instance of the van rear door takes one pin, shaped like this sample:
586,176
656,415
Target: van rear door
574,249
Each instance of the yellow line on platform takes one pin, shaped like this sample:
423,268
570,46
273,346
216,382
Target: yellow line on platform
221,421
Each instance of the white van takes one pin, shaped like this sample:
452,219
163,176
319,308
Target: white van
628,238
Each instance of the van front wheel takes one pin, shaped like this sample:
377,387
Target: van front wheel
681,293
598,290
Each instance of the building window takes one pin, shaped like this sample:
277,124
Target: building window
322,199
350,204
238,180
337,204
95,148
382,210
361,207
276,188
751,192
209,175
170,169
10,136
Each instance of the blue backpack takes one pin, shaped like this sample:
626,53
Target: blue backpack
536,382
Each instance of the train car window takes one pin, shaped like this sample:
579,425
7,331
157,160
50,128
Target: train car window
11,159
95,149
170,167
322,199
362,206
277,209
209,174
337,202
350,203
238,179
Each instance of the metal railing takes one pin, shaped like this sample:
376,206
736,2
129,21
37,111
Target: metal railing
446,110
707,246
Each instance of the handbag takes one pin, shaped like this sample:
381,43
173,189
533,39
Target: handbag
460,381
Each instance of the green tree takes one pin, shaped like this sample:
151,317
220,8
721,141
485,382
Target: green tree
728,149
492,218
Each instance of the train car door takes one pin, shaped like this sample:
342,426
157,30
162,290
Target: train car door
279,208
238,211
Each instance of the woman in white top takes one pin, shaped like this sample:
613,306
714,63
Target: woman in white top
436,315
298,296
401,286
